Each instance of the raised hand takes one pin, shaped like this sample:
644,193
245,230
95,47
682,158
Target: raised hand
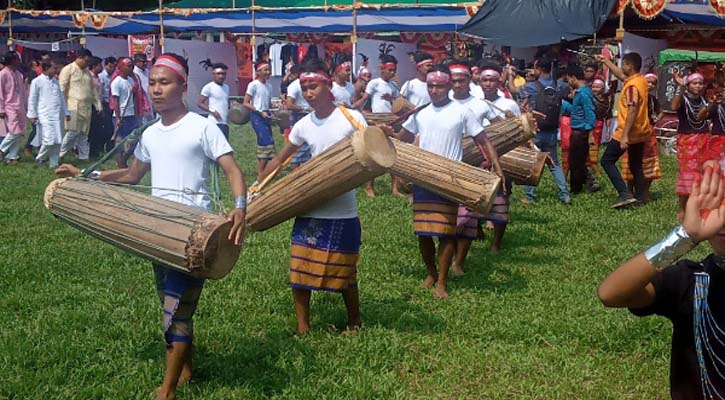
705,211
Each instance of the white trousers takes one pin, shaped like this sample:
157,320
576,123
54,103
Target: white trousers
10,146
73,139
52,152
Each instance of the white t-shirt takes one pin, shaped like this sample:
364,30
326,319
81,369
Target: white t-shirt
376,89
218,96
260,94
476,90
441,129
180,156
320,134
123,88
480,109
343,94
416,92
294,90
506,105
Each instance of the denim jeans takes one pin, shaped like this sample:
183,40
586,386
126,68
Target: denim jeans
546,141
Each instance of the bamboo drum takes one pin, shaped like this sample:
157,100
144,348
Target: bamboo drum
504,135
185,238
459,182
401,106
346,165
523,165
238,114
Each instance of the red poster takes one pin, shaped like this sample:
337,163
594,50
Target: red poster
145,44
244,64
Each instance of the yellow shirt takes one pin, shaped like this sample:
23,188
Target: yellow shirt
519,81
634,93
80,95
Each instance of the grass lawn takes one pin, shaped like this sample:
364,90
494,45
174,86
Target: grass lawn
81,320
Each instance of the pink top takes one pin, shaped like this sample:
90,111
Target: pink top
13,100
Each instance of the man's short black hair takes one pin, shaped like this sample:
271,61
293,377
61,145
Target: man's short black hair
110,60
313,65
544,64
575,70
139,57
592,66
95,61
387,58
490,64
421,56
219,65
84,53
633,59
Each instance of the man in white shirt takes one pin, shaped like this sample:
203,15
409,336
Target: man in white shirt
125,119
382,90
179,150
214,98
140,69
334,226
416,90
47,110
258,101
342,89
298,107
109,68
440,128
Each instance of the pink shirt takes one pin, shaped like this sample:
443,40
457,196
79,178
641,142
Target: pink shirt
13,100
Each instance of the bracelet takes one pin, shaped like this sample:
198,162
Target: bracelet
675,245
95,174
240,202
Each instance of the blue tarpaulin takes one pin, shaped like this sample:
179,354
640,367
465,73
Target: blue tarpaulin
693,11
528,23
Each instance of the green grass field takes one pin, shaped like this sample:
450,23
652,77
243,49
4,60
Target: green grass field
81,320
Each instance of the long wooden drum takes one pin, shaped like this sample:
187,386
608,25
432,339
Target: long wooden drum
523,165
504,135
462,183
349,163
238,114
401,106
188,239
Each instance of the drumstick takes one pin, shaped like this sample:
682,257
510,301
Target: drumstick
407,115
258,187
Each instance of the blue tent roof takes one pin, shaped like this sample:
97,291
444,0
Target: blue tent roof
693,11
406,19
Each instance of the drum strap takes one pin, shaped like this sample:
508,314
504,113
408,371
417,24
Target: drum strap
355,123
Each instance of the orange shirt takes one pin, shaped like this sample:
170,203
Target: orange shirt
634,93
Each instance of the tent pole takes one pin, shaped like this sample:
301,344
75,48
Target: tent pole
10,27
253,41
353,39
161,25
83,28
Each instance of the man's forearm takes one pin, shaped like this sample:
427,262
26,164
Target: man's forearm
629,122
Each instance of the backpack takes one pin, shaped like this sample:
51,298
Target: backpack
548,102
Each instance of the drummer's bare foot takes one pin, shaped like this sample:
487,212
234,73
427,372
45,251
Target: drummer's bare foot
303,330
398,194
184,378
457,270
370,192
494,249
440,292
489,225
429,281
160,395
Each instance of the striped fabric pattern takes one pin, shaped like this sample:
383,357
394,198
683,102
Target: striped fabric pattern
433,215
324,254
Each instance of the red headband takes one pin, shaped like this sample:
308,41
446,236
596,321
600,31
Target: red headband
437,77
262,65
426,61
389,65
475,69
319,76
460,69
171,63
343,66
490,73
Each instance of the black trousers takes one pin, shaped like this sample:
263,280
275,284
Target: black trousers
578,156
99,138
635,152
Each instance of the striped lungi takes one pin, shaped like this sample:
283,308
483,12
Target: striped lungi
265,142
433,215
325,254
650,162
595,141
691,153
179,294
499,213
467,224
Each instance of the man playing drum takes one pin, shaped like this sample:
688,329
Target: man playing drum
179,150
325,241
440,128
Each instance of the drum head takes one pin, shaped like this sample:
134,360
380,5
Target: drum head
219,253
238,115
376,145
401,106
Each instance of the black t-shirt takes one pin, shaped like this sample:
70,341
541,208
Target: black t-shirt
717,121
674,291
685,117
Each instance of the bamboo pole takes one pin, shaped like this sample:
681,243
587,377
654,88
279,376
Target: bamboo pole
353,39
161,25
253,40
10,26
